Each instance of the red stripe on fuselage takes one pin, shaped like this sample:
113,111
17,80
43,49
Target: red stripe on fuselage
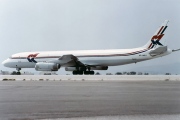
125,54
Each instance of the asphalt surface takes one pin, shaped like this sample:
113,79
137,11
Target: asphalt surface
29,100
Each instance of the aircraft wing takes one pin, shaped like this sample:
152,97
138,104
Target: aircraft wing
71,60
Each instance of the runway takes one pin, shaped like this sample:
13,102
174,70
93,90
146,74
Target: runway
29,100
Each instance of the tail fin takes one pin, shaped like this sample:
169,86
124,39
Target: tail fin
157,36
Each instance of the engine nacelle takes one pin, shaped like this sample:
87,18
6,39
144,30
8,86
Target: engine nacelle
42,66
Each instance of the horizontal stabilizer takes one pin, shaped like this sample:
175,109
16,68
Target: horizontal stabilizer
158,51
175,50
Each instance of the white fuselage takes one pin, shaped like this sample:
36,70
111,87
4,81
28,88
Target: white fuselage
112,57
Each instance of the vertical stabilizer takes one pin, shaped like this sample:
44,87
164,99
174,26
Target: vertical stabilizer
157,36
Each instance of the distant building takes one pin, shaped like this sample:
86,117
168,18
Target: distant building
167,73
140,73
26,73
15,73
47,73
109,74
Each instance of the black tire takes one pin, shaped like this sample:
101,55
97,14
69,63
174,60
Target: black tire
80,72
86,72
91,72
74,72
18,73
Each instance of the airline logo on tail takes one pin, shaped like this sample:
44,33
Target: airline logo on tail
158,35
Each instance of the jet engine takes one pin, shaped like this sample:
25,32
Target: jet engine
42,66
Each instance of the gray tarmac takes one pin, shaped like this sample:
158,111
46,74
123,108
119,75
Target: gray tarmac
29,100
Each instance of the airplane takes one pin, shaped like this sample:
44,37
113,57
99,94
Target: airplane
86,61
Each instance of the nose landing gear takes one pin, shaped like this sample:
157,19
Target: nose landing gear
18,71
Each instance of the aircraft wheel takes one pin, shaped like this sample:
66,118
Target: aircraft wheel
80,72
86,72
77,72
91,72
74,72
18,73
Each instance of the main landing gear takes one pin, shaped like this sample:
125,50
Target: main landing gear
83,72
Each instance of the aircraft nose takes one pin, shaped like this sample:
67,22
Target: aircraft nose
5,62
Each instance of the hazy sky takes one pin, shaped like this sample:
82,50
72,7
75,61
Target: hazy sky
46,25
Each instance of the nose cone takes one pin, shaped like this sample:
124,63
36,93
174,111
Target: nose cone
5,63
